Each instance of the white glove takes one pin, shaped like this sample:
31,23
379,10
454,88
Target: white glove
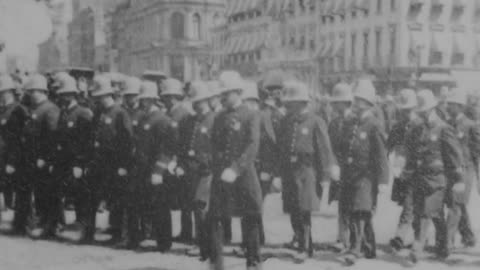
179,172
459,188
122,172
9,169
157,179
77,172
382,188
171,167
229,176
335,173
264,176
277,183
40,163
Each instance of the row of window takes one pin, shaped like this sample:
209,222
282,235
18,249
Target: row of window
436,13
245,57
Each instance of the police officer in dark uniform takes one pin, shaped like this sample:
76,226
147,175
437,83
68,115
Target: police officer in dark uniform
12,121
436,161
172,95
468,133
155,149
112,158
40,136
341,103
306,159
235,187
195,161
365,171
73,151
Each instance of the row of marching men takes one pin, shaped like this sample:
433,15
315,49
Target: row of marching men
221,159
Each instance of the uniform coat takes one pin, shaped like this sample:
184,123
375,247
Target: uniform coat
306,159
195,158
434,157
236,138
365,162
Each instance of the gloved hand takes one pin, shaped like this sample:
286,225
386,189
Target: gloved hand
171,167
459,188
122,172
9,169
277,184
157,179
335,173
229,176
179,172
40,163
77,172
265,176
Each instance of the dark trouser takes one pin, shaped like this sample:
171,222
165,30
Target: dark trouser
252,241
186,220
406,217
47,200
459,220
202,229
159,210
362,234
301,223
227,229
421,225
97,183
23,196
343,224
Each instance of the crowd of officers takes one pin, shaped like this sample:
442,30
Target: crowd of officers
216,150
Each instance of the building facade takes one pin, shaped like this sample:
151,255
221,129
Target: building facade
81,41
171,36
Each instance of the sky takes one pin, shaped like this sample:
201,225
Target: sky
24,24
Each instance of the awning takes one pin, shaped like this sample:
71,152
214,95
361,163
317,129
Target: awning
436,77
340,7
440,42
361,4
438,3
417,40
255,41
233,6
229,46
235,45
238,7
459,3
460,44
328,7
417,2
253,4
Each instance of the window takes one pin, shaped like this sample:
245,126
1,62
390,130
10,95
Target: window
196,27
458,58
378,45
301,4
302,43
393,5
436,13
457,13
379,6
393,42
258,55
177,25
312,45
365,48
312,5
436,58
354,42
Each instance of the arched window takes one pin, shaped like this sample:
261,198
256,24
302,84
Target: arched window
177,25
196,27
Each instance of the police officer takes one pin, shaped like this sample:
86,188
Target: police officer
155,149
468,133
341,102
436,161
364,172
40,144
195,161
73,151
306,160
399,139
12,121
172,95
130,91
235,187
113,144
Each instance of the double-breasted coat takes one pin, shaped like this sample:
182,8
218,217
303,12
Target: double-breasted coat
306,159
435,162
195,158
365,164
235,142
468,134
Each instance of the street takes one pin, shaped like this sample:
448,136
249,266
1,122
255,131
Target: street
25,254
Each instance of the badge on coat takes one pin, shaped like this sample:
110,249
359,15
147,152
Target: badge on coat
174,124
70,124
135,122
96,144
108,120
461,135
236,125
3,122
434,138
191,153
34,116
305,131
203,130
363,135
293,159
146,127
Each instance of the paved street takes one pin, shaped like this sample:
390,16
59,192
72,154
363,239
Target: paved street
24,254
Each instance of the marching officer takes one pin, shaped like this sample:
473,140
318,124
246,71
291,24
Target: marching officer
13,117
155,149
399,139
130,92
73,151
235,187
364,171
306,159
40,136
172,95
112,157
341,103
468,133
435,160
195,161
